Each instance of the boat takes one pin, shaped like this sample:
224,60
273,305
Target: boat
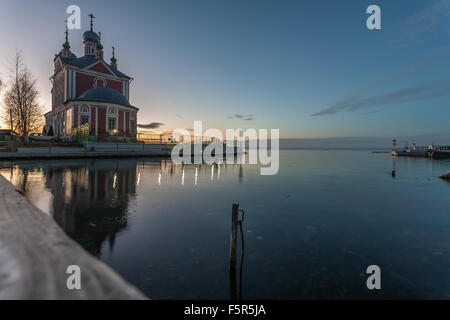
414,151
430,151
439,152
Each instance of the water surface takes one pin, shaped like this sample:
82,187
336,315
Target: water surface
310,231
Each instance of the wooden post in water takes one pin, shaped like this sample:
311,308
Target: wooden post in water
233,245
233,238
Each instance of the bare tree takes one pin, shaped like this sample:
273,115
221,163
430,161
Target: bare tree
21,109
1,86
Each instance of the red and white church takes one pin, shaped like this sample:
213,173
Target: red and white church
87,90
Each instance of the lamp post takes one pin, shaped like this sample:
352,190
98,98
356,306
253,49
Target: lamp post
117,141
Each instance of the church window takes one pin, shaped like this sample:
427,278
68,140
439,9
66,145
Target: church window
84,120
111,124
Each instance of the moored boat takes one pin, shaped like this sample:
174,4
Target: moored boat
414,151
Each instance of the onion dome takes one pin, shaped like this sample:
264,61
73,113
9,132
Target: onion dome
90,36
65,52
113,59
99,45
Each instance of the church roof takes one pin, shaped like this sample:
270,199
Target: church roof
72,56
104,94
85,61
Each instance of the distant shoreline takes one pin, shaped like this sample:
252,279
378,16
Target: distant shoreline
335,148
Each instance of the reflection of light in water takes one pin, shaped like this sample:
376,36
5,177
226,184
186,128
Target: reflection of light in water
196,176
67,186
138,179
81,178
115,180
182,177
218,171
159,178
212,173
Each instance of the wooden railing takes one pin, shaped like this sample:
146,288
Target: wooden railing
36,254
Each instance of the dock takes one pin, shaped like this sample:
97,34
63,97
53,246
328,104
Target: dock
89,150
97,150
78,155
35,254
430,151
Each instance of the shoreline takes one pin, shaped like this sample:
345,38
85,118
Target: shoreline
79,155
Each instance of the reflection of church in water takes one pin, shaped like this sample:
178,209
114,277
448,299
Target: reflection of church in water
91,199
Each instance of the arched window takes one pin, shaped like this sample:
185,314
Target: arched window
84,116
99,82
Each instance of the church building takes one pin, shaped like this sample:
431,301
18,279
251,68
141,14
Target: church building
88,90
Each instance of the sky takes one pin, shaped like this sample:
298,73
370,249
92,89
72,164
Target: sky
310,68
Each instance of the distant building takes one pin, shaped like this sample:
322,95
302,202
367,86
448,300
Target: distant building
87,90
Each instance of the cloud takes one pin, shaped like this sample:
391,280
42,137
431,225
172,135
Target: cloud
417,26
152,125
247,117
409,94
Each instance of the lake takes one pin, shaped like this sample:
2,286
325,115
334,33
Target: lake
310,231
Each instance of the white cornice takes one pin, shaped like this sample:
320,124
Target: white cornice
95,73
102,103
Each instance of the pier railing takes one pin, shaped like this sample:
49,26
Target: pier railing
122,147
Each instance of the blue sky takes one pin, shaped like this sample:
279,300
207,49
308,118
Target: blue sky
310,68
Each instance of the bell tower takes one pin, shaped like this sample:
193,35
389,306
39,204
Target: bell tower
99,49
90,39
65,52
113,59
